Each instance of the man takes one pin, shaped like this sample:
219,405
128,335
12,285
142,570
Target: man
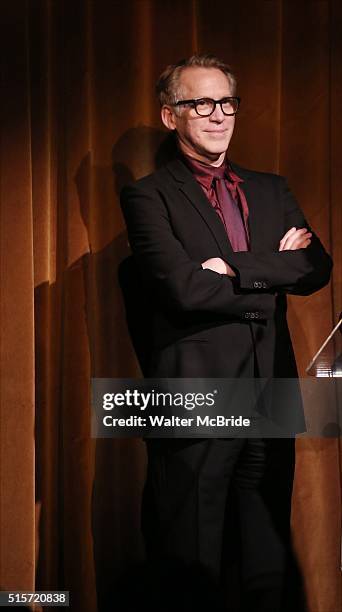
219,247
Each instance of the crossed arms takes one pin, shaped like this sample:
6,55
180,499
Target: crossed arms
291,241
226,288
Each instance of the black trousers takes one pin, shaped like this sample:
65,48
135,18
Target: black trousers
220,503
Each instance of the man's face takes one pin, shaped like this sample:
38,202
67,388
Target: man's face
204,138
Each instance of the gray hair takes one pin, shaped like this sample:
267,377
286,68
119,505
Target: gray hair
167,86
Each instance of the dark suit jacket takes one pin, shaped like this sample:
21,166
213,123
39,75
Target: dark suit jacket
203,324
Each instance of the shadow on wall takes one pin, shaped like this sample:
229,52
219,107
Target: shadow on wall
140,151
81,332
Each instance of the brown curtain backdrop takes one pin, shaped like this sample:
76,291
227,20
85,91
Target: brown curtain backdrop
79,119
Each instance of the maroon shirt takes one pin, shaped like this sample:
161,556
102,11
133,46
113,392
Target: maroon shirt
221,187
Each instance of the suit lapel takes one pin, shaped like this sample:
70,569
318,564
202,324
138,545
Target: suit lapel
194,194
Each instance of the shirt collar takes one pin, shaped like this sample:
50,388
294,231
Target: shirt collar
205,173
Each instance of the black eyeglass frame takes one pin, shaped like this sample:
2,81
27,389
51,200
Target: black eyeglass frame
195,101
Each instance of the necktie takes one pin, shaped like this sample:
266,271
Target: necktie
229,211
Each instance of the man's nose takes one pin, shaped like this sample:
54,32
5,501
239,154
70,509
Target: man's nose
218,114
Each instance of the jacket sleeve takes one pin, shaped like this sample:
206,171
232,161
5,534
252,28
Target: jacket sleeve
178,280
301,272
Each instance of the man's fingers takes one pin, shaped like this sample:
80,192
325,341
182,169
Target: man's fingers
302,242
284,238
294,240
292,235
216,264
299,240
289,232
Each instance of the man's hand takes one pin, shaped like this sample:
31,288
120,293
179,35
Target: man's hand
216,264
295,239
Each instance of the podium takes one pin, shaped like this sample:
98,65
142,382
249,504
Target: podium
322,391
327,362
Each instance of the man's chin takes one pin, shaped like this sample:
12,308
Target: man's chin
215,151
214,155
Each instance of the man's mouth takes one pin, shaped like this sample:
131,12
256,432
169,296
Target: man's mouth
215,131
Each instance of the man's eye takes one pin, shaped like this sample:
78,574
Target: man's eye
203,102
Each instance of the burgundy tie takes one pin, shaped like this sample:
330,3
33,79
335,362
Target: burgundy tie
228,210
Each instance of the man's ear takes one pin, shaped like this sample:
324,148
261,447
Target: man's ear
168,117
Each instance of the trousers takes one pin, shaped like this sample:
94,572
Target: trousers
220,503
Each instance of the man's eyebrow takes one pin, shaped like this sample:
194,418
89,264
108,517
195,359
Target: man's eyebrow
211,97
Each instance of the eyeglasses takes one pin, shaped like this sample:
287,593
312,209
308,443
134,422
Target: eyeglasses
205,107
